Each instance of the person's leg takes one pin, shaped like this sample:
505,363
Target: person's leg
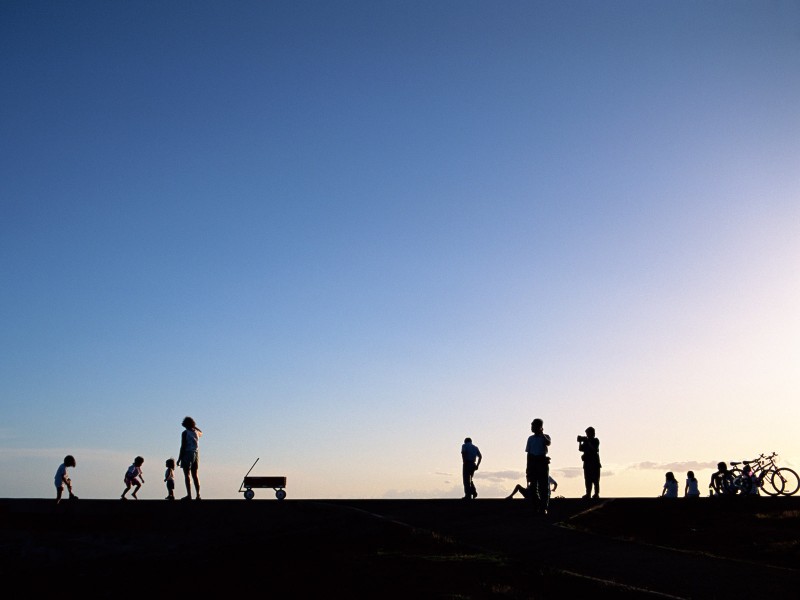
465,479
597,482
125,491
522,491
540,484
473,491
187,482
136,490
587,481
196,481
544,487
59,493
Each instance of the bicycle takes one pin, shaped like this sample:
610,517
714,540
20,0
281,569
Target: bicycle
773,480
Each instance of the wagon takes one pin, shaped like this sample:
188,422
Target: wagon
275,482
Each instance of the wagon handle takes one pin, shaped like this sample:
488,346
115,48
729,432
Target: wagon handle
241,487
251,468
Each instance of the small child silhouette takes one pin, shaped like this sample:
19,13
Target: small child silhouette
133,477
169,478
62,478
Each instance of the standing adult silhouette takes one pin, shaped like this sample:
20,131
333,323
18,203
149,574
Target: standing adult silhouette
538,468
471,458
590,446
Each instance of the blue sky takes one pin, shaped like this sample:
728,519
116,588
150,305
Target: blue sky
345,235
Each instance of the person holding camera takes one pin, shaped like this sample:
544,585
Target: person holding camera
538,468
590,446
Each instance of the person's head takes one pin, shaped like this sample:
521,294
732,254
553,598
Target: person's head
590,432
138,461
468,440
670,476
170,463
189,423
69,461
537,425
690,474
722,467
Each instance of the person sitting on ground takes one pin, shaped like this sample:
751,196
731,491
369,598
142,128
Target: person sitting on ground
525,492
750,481
691,490
670,489
721,483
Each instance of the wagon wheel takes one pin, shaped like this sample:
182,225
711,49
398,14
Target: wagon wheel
280,494
249,494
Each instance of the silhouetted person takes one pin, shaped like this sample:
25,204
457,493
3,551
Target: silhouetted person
471,458
525,492
538,468
692,489
721,482
169,478
189,456
133,477
62,479
590,446
750,481
670,489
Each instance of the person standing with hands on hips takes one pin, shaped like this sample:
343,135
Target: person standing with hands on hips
469,454
590,446
538,469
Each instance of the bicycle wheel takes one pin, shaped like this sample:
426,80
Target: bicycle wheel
771,483
791,481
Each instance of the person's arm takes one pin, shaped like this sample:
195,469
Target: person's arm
480,458
183,445
546,439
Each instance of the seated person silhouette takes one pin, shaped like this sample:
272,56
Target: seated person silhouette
527,493
721,483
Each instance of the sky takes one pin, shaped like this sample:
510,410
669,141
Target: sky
343,236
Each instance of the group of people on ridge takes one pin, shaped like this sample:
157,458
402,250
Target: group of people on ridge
537,471
188,460
721,484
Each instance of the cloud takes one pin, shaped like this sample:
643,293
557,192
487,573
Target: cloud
691,465
499,475
570,472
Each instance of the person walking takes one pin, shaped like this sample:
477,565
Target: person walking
589,445
538,467
471,458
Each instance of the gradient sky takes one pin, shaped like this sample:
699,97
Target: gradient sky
345,235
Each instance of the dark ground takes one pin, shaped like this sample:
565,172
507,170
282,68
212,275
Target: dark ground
623,548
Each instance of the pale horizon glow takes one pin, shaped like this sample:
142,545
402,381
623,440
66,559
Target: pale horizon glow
345,236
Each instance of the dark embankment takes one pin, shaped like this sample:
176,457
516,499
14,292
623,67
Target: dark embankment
624,548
